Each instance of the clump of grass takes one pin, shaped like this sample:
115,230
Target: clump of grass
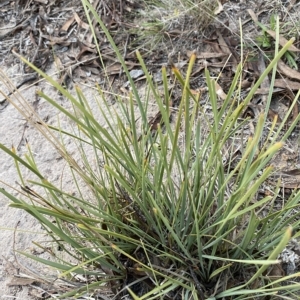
161,21
169,218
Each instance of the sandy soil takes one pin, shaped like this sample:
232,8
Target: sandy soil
18,230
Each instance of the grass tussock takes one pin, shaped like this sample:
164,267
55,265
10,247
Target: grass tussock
160,22
171,216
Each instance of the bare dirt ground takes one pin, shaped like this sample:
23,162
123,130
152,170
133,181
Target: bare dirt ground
54,36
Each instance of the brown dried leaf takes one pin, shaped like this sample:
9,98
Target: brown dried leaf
226,49
67,25
266,91
123,90
282,41
179,65
206,55
58,63
214,46
223,44
220,91
287,84
42,1
252,66
291,5
113,69
94,71
155,121
286,70
253,111
86,43
21,281
265,83
261,68
219,8
294,185
246,83
55,40
81,73
293,172
197,70
80,22
220,64
32,39
276,272
252,15
272,115
84,49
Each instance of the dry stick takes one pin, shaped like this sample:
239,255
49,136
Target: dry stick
125,53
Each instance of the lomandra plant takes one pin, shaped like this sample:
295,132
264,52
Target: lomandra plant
169,217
